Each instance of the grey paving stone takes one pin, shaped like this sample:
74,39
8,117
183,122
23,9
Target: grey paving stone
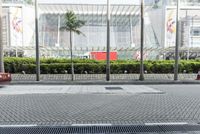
178,104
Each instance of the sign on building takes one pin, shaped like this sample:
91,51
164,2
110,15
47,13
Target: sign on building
170,28
16,28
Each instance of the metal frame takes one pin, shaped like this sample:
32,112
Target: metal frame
80,9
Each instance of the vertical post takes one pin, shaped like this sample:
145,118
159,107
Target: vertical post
108,43
1,41
177,43
37,43
142,42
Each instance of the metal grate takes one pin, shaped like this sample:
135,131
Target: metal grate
100,129
113,88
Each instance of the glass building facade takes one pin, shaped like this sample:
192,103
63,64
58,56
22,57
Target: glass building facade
124,25
183,2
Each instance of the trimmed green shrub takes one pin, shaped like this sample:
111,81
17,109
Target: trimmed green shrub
81,66
162,68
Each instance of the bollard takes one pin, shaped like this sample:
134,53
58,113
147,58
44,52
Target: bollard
23,72
66,72
125,71
85,72
198,75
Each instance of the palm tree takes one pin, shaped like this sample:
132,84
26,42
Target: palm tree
72,24
1,42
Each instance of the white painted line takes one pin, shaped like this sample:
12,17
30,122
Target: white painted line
82,125
7,126
166,123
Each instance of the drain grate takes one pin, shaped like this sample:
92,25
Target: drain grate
113,88
99,129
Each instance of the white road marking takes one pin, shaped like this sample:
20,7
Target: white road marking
166,123
82,125
11,126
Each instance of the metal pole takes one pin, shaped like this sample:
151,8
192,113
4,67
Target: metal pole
142,42
108,43
177,43
1,41
37,43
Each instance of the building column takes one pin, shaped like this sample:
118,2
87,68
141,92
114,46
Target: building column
131,30
1,42
58,36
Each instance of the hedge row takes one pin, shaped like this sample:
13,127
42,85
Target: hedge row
17,60
61,66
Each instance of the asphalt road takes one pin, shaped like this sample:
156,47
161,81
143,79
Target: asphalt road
72,105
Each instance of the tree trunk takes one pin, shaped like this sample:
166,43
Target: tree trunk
1,41
71,56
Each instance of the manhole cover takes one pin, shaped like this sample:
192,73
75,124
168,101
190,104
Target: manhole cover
113,88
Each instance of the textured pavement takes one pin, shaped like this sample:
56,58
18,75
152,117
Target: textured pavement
96,77
175,103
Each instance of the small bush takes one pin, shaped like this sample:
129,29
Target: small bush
61,66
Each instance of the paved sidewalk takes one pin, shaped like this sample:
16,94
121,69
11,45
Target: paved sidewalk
72,89
176,103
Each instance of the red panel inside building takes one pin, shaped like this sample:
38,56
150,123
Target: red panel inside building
102,55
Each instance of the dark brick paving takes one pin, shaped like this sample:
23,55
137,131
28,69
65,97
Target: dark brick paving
177,104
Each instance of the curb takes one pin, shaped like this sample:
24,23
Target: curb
134,82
